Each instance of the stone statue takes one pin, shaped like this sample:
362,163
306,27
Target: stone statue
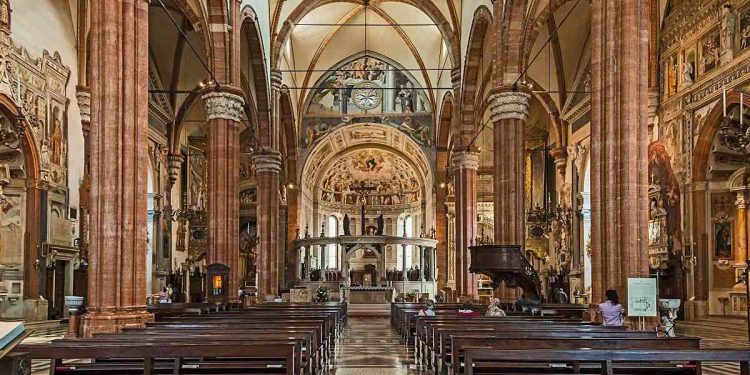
380,223
347,230
56,142
687,73
728,32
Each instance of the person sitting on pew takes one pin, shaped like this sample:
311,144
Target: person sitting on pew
612,312
164,296
494,310
465,310
428,309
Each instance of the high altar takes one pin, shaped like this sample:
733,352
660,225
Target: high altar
375,283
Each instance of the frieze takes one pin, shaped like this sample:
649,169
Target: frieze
687,20
725,80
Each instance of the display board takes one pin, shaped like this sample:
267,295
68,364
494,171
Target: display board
641,297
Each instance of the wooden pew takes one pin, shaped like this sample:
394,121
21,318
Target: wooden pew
255,354
526,342
603,361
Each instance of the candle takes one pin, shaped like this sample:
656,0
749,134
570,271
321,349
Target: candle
724,100
742,111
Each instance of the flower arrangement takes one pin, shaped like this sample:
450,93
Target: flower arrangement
322,294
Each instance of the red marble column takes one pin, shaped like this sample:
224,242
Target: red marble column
465,165
509,109
223,111
441,219
267,168
619,140
119,124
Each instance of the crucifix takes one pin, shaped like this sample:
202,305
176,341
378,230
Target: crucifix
362,191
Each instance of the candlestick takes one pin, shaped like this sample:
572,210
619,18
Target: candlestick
724,100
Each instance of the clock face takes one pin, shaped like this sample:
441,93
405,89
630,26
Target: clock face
366,95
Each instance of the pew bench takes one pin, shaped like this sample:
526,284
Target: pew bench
606,362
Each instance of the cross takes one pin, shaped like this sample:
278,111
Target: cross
362,191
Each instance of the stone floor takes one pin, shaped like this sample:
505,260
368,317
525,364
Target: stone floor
370,347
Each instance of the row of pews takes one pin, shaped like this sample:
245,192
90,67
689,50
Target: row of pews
279,338
552,344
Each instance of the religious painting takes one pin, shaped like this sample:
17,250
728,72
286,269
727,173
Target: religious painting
710,51
392,179
688,76
672,73
669,199
367,89
744,31
196,178
12,227
723,240
699,117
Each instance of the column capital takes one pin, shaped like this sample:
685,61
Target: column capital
83,95
267,161
509,104
174,164
224,105
740,201
465,160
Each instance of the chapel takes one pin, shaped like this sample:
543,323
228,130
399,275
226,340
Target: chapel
374,186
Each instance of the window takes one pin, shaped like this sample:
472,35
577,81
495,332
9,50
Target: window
332,249
409,248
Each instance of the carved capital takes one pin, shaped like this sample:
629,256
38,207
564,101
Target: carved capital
560,155
509,105
84,104
465,160
223,105
267,161
174,164
740,201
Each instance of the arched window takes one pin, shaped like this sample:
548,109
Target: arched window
333,231
404,222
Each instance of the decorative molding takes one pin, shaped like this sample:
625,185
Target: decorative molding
465,160
509,105
224,105
267,161
84,104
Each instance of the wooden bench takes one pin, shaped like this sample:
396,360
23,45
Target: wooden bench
607,362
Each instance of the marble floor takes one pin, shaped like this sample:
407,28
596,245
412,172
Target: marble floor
369,346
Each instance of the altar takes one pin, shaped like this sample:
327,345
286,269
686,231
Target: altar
367,295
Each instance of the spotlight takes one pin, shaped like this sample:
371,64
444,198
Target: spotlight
442,185
291,185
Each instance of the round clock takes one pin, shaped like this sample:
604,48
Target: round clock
366,95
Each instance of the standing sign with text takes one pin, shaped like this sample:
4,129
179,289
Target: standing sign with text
641,296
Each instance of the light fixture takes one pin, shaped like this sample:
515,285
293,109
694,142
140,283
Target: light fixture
442,185
291,185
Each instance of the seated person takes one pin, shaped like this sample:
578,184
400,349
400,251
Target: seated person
494,309
428,308
465,311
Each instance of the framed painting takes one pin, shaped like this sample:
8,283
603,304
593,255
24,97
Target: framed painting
723,235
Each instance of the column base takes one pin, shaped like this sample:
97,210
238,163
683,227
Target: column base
112,322
697,309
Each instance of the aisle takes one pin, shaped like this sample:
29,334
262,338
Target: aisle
370,347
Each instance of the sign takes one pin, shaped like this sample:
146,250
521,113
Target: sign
641,296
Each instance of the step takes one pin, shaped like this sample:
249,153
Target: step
369,309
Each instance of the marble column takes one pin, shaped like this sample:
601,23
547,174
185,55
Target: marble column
119,161
619,140
740,204
509,109
465,165
267,169
223,111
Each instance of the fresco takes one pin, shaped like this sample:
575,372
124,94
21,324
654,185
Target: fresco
367,90
661,174
393,179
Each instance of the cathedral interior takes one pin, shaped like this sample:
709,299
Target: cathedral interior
301,151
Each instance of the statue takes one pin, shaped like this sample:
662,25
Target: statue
380,226
181,232
728,31
347,230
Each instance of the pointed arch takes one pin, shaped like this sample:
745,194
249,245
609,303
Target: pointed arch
480,27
